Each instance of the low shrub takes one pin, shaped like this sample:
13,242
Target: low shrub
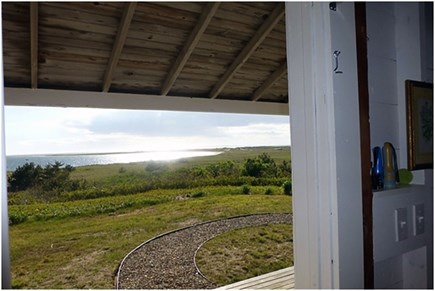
17,217
198,194
246,189
269,191
287,188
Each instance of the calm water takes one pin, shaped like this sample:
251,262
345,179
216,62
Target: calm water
103,159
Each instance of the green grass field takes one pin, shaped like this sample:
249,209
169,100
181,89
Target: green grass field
245,253
79,244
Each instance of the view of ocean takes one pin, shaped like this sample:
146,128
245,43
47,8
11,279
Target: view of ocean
77,160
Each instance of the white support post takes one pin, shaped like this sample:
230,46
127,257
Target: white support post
312,253
327,199
6,273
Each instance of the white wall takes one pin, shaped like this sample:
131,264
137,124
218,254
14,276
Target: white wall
400,47
402,264
426,23
382,75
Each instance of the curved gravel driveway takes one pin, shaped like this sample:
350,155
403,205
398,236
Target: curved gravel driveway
168,261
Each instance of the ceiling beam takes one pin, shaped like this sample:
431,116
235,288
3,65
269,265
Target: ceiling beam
250,47
34,44
121,36
87,99
207,14
275,76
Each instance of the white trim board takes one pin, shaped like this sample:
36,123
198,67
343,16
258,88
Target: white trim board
87,99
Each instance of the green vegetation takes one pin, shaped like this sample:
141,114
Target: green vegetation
84,251
44,183
55,183
48,211
287,187
71,229
245,253
97,173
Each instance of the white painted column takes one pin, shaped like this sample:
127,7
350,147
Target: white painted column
327,199
6,275
347,149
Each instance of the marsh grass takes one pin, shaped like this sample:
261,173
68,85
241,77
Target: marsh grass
246,253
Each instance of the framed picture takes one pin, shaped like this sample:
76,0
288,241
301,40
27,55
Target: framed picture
419,115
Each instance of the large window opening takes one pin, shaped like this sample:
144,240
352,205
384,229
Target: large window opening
87,186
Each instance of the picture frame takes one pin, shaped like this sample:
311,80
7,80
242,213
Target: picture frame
419,120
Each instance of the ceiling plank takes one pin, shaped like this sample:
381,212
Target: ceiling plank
250,47
121,36
275,76
34,44
190,45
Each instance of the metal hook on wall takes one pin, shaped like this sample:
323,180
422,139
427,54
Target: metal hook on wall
336,54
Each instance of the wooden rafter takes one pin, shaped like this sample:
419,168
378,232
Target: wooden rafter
190,45
275,76
73,43
250,47
121,36
34,44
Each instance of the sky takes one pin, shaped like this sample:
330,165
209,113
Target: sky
46,130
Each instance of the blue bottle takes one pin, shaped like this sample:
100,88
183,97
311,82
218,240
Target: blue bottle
378,169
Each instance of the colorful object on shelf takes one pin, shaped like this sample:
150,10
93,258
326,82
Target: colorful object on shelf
391,171
405,176
378,169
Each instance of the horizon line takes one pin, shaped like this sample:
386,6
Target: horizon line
146,151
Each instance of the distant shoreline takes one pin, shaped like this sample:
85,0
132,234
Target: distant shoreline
104,153
138,152
87,159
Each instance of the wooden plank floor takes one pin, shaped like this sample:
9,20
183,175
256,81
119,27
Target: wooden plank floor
281,279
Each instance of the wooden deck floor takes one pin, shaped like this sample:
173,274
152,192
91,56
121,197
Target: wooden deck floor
281,279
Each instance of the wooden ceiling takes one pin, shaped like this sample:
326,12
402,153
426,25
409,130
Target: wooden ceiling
215,50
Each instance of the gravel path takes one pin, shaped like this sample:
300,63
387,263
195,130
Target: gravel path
168,261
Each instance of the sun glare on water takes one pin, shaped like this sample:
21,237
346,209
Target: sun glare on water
160,156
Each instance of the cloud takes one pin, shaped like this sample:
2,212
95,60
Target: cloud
165,123
268,129
61,130
259,133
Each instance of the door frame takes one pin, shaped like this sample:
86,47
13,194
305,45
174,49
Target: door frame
325,144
